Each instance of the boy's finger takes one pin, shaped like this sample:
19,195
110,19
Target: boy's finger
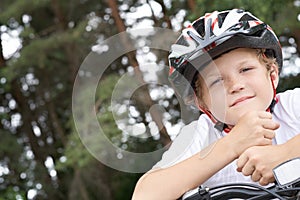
256,176
269,124
264,115
269,134
242,160
248,169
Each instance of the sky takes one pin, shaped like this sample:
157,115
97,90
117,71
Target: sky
10,41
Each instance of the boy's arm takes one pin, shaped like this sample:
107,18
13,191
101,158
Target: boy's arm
254,129
259,161
174,181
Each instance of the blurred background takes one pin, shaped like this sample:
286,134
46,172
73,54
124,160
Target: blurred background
44,42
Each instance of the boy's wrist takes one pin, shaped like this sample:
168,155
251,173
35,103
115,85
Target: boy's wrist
229,148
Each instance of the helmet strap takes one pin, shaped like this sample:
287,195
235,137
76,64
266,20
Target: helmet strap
275,99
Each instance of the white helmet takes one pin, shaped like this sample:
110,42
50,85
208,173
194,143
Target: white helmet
212,35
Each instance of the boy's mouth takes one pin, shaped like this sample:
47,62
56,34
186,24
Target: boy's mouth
239,100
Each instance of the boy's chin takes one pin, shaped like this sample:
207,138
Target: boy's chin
233,118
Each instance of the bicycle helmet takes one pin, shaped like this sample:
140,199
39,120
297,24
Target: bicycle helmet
209,37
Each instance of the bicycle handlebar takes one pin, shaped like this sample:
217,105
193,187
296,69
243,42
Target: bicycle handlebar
287,186
244,191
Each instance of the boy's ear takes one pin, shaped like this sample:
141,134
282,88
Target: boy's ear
274,74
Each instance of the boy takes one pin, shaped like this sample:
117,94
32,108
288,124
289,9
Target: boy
228,64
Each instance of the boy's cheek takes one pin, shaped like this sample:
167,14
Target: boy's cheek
219,110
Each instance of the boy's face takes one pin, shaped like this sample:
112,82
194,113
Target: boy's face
236,83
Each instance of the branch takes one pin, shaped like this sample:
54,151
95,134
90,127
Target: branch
166,16
152,13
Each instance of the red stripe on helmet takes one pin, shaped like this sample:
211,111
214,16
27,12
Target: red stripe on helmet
171,70
213,24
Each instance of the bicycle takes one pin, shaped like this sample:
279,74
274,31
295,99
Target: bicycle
286,186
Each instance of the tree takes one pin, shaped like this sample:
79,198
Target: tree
42,155
37,81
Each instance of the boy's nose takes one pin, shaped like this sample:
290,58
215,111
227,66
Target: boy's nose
235,85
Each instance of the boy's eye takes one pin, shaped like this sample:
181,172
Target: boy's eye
245,69
218,80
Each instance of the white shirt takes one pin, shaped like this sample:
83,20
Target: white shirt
199,134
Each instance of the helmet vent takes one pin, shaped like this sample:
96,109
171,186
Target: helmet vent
199,27
247,17
221,18
182,41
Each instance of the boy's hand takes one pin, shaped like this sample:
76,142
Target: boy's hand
255,128
258,161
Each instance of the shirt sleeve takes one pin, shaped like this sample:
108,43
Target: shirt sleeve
287,114
295,102
191,139
290,104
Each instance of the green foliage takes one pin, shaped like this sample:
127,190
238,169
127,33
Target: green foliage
277,13
123,185
75,153
18,8
289,82
105,88
39,79
42,52
27,32
9,146
12,194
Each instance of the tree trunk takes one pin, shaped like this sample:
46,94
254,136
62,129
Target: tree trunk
77,187
296,35
2,60
192,5
40,153
155,114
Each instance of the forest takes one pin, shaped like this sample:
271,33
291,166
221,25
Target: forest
86,105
